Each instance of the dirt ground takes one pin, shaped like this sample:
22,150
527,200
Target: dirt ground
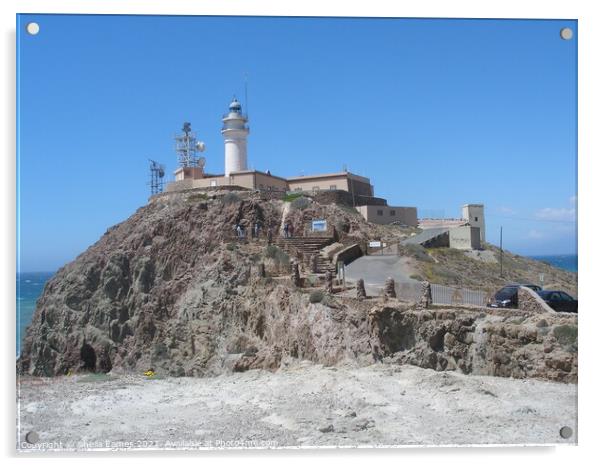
302,405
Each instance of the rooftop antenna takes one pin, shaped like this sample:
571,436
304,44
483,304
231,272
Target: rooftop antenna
246,93
188,148
157,173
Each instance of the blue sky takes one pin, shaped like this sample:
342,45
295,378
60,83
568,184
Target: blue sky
437,113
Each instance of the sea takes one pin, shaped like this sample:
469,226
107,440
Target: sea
31,284
562,261
29,288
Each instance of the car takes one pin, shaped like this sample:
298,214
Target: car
559,300
508,296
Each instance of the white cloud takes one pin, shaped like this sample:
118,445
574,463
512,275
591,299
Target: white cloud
550,213
534,234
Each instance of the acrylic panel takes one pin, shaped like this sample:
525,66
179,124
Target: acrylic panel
278,232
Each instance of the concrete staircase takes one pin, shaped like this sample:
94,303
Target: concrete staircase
305,246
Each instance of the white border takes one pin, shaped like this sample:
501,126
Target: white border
590,152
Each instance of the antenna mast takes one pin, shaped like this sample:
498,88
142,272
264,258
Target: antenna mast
246,93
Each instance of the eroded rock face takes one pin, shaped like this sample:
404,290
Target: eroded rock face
173,290
503,344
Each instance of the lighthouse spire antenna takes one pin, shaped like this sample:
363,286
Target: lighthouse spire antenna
246,93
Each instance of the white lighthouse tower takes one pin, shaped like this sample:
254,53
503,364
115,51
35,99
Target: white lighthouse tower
235,132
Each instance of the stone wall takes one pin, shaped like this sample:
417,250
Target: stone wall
530,301
349,254
465,238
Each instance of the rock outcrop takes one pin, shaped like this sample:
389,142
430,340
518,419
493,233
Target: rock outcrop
507,344
173,289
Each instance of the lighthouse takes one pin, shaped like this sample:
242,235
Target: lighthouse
235,132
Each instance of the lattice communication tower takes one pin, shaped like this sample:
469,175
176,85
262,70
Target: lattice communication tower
188,148
157,173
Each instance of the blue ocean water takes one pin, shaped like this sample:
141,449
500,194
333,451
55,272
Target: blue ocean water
562,261
29,288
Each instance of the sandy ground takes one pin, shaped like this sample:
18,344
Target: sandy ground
304,405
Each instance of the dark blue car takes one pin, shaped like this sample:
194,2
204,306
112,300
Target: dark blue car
559,300
508,296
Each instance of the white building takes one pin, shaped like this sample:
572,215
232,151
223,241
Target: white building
465,233
474,214
235,132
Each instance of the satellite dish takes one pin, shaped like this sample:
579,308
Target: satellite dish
200,146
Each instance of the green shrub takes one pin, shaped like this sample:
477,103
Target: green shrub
197,197
300,203
281,258
316,297
415,276
271,251
292,196
312,280
231,198
566,334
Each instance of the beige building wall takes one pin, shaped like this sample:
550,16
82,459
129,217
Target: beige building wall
319,183
267,182
184,173
465,238
384,215
344,181
248,179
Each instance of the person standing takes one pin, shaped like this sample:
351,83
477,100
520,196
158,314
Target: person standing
286,230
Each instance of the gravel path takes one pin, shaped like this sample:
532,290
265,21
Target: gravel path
303,405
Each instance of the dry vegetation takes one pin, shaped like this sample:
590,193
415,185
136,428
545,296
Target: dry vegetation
447,266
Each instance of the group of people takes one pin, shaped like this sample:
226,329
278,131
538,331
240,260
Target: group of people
241,230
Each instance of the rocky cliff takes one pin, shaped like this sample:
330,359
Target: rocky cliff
172,289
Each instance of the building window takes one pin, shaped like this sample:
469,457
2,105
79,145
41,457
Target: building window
261,186
333,187
379,212
316,189
213,183
476,219
298,189
392,213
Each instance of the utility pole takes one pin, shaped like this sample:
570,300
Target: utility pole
501,253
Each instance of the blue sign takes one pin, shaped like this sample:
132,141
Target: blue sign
318,225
